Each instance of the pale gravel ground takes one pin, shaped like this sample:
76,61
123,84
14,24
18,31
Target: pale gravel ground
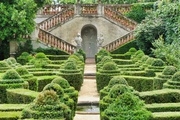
88,93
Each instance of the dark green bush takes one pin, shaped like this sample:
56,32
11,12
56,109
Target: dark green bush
110,66
80,51
101,54
176,77
169,70
22,71
4,64
24,58
149,61
70,65
51,51
62,82
126,107
144,58
132,50
81,58
157,62
11,74
47,106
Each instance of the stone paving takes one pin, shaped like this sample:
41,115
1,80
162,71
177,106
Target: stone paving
88,92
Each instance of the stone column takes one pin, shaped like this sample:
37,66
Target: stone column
13,47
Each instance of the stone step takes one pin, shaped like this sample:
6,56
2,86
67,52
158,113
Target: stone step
89,77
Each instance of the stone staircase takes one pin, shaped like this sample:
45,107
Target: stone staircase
64,13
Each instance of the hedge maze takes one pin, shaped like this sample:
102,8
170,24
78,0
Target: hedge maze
146,84
40,86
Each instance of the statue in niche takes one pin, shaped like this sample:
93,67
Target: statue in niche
78,41
100,40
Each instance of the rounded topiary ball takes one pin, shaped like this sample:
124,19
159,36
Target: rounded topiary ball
11,74
22,71
69,65
62,82
40,55
176,76
55,87
157,62
117,80
12,60
4,64
132,50
106,59
144,58
110,66
169,70
149,61
118,89
47,97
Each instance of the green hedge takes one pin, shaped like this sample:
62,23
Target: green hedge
166,116
10,115
57,57
75,79
121,56
124,48
51,51
12,107
122,61
43,81
20,96
160,96
163,107
102,79
140,83
10,85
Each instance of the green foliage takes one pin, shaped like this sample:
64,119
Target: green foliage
110,66
70,65
157,62
80,51
149,61
41,3
24,58
3,64
167,52
62,82
132,50
163,21
22,71
11,60
17,19
176,77
11,74
126,107
137,13
169,70
101,54
117,80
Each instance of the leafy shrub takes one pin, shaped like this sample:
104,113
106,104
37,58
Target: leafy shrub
55,87
11,74
24,58
3,64
157,62
101,54
62,82
81,58
169,70
80,51
51,51
127,106
132,50
22,71
149,61
144,58
117,80
110,66
106,59
70,65
11,60
40,55
176,76
75,57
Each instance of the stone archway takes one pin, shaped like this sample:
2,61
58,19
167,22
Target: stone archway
89,40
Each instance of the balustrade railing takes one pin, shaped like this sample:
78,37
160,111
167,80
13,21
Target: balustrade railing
120,18
53,9
57,19
89,9
122,8
115,44
55,41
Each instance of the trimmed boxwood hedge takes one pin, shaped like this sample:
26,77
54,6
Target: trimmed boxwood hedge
161,96
20,96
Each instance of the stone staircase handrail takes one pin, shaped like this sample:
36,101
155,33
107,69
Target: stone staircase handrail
56,42
58,19
120,18
121,8
89,9
118,42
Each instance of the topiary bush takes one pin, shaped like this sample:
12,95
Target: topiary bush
149,61
80,51
47,106
81,58
169,70
24,58
4,64
22,71
70,65
157,62
62,82
101,54
126,107
109,66
11,74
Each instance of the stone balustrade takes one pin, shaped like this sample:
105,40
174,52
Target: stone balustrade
121,8
120,18
53,9
54,41
115,44
57,19
89,9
